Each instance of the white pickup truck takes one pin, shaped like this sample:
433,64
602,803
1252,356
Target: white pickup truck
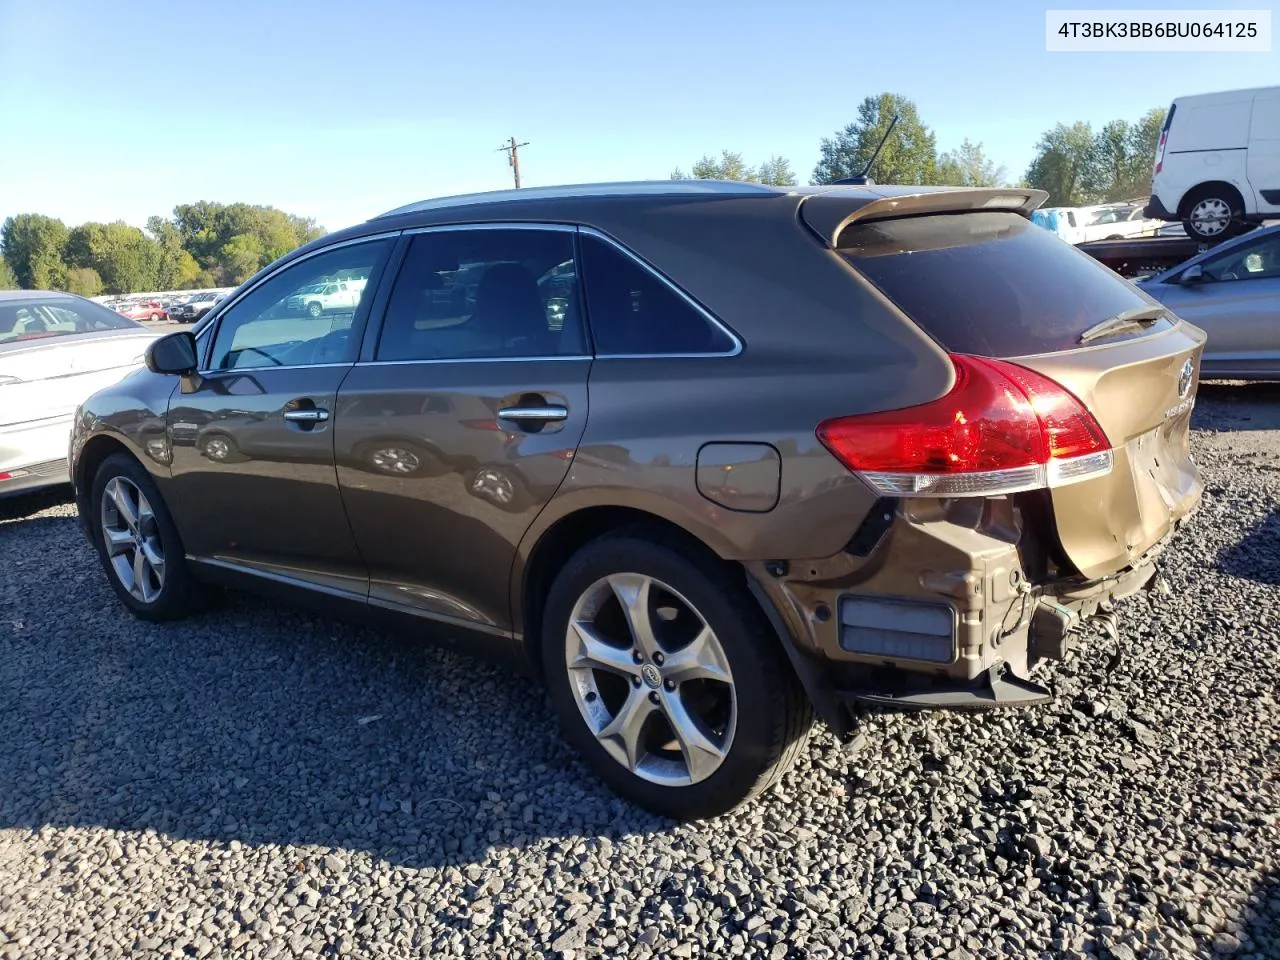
327,297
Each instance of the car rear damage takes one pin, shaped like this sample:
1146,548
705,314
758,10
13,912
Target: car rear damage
987,554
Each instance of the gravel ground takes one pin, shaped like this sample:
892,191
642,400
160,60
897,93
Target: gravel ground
259,783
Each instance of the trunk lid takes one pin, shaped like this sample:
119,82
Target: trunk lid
1141,392
991,284
53,375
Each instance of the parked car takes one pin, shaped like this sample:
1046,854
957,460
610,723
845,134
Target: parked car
55,350
326,297
1233,293
1217,166
1118,222
819,446
143,310
195,308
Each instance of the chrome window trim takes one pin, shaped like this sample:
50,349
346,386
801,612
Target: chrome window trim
551,226
703,311
400,363
241,371
237,295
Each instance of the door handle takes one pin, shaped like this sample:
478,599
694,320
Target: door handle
549,414
311,415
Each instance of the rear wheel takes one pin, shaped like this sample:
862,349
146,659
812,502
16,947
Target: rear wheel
1213,214
668,680
138,544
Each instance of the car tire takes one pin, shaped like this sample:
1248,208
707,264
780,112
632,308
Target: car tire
314,310
736,739
167,593
1211,201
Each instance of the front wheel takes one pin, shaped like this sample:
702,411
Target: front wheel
138,544
668,679
314,310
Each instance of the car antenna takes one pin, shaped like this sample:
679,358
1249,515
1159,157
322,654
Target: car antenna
862,179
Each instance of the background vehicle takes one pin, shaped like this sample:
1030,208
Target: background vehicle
697,523
330,296
1116,222
55,350
1217,167
142,310
195,308
1233,293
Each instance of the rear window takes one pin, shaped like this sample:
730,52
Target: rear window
991,284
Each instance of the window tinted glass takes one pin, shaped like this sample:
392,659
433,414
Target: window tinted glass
632,311
40,319
475,294
992,284
287,322
1258,260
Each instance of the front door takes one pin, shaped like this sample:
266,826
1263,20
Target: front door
1236,305
459,424
252,435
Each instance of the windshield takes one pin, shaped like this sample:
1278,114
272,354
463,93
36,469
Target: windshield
41,318
991,284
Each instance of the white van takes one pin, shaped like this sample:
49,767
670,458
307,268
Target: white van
1218,162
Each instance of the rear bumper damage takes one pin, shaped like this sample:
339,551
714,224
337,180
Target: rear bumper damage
958,625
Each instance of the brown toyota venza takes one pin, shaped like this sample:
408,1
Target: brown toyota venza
706,457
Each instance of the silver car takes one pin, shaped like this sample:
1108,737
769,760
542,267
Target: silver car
1232,292
55,350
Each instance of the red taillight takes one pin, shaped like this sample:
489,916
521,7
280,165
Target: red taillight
1002,428
1160,151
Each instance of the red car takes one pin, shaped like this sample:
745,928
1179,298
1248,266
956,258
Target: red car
145,310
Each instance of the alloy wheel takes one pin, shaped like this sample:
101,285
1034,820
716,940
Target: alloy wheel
131,536
651,679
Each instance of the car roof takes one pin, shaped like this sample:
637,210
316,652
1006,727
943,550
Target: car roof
707,190
36,295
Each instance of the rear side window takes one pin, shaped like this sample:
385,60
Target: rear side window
633,312
991,284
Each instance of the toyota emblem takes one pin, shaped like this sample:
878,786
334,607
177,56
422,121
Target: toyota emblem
1184,380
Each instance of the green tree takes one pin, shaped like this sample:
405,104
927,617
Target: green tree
33,245
176,269
969,166
910,155
242,257
8,281
777,171
1123,155
83,281
124,257
1065,165
731,166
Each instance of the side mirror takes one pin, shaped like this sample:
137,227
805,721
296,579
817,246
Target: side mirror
174,354
1193,274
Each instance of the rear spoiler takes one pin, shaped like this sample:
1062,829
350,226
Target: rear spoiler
829,213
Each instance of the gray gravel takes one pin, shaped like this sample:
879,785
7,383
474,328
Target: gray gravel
260,783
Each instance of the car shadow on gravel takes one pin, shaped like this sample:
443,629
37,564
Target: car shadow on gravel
1226,406
27,504
259,724
1256,932
1256,556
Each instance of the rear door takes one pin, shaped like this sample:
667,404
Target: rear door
992,284
252,436
460,422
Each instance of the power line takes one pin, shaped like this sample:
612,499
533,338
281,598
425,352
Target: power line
512,150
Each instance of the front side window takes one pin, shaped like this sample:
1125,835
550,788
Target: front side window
288,321
484,294
1259,260
633,312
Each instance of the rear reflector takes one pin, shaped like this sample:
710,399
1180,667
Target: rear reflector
1001,429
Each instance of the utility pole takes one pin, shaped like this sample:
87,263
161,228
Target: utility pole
512,150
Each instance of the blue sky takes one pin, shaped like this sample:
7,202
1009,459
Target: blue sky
342,110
